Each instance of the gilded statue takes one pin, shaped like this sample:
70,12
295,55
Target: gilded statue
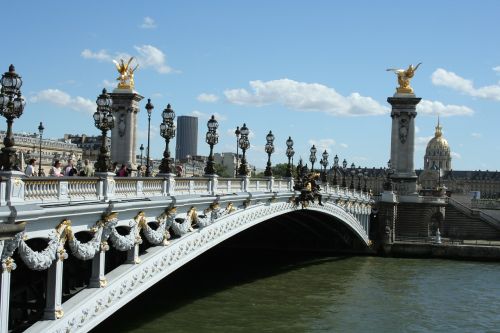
404,77
126,78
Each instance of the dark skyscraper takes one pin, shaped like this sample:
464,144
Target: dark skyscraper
187,137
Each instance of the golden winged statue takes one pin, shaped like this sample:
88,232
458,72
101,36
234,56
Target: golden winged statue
126,78
404,77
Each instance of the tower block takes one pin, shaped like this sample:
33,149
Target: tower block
403,142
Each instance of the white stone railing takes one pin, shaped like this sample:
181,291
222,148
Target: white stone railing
18,189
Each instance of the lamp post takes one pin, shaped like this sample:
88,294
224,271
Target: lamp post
390,171
353,172
344,170
360,176
237,132
40,132
141,148
289,153
167,131
105,121
149,108
365,177
244,144
11,107
269,148
335,168
212,138
324,164
312,157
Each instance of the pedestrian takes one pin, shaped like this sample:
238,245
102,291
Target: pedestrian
55,170
70,170
123,172
88,170
30,168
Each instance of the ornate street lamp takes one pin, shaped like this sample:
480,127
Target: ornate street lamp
353,172
244,145
360,176
269,148
141,148
335,168
212,139
324,164
149,109
11,107
389,172
40,132
344,171
365,177
237,132
167,131
289,153
312,158
105,121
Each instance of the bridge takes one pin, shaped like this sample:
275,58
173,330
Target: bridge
82,220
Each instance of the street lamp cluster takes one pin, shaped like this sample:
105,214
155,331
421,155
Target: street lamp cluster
167,131
244,145
105,121
212,139
269,148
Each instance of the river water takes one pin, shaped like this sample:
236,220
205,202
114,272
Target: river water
261,291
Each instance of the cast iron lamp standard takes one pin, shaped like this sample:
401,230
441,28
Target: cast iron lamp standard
105,121
11,107
353,172
344,170
335,168
40,132
244,144
324,164
312,158
237,132
365,178
360,176
141,148
149,108
167,131
289,153
269,148
212,139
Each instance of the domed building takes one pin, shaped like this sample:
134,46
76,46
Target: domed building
438,154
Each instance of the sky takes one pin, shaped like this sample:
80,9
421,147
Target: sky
312,70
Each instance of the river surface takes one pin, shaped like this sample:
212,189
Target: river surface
258,291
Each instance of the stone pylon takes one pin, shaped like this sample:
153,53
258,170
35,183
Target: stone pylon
124,134
403,142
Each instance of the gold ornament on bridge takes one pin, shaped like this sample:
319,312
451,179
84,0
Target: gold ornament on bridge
404,77
126,78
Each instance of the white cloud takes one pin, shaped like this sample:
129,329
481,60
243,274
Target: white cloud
422,141
442,77
496,69
109,84
344,145
417,129
207,98
304,96
150,56
322,145
148,23
455,155
476,135
437,108
62,99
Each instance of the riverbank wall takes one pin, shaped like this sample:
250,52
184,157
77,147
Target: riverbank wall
447,251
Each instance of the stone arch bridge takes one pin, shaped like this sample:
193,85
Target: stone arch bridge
81,219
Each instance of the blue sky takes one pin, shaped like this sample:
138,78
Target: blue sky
314,70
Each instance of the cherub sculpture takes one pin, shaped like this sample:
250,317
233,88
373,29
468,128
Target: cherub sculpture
404,77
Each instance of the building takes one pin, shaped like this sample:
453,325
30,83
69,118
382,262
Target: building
90,145
28,146
229,161
187,137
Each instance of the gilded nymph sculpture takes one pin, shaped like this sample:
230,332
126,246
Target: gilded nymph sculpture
404,77
126,78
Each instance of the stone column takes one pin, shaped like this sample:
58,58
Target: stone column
8,266
403,142
53,307
123,135
98,277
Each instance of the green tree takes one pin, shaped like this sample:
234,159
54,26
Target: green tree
221,170
279,170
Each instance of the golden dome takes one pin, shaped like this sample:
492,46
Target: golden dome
438,144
